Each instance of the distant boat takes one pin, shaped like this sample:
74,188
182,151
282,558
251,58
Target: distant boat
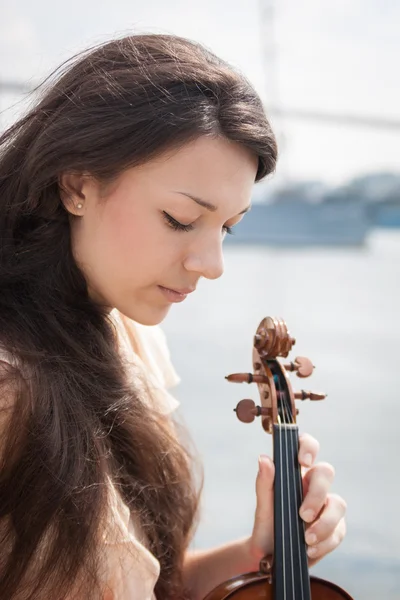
298,223
386,213
380,192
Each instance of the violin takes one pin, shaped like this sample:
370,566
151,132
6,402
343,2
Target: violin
285,576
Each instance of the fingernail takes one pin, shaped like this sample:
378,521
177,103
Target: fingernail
262,460
311,538
308,516
307,460
312,551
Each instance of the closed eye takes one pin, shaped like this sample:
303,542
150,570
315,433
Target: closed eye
181,227
175,224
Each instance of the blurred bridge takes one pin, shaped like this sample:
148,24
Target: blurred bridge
348,119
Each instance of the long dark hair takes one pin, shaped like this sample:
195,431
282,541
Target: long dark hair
70,414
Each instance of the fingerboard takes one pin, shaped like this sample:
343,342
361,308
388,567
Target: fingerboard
291,580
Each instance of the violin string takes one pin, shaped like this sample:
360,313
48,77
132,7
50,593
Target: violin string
300,527
289,508
281,421
282,505
294,447
300,524
286,506
286,421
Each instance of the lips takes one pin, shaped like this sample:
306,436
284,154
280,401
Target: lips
184,291
174,295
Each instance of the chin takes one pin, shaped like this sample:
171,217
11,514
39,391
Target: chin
147,316
150,321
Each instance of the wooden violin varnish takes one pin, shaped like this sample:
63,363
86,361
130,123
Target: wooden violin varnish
285,576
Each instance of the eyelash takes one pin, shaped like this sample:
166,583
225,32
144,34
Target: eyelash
180,227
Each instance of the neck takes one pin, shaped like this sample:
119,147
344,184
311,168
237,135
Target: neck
291,579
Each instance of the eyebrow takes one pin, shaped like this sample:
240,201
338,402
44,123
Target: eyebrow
208,205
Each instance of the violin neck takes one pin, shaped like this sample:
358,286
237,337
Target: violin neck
291,578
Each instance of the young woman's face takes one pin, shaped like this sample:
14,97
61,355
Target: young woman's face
160,226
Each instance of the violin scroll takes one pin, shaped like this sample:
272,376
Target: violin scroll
273,340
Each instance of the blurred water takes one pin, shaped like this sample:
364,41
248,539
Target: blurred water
343,308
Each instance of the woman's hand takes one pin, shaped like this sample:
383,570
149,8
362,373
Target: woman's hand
322,512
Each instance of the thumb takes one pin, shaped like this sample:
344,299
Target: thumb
262,537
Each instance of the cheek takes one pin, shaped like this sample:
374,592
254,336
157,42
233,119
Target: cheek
137,240
129,234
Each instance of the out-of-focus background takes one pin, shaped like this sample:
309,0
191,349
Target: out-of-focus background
320,248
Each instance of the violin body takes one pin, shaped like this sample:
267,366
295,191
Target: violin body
256,586
285,576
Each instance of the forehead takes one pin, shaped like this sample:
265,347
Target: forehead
218,156
207,166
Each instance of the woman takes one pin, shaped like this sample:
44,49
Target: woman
116,190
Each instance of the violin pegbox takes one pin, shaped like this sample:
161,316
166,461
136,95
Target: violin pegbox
273,340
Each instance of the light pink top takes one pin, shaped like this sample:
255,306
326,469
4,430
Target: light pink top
130,571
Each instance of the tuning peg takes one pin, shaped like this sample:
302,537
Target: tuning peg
246,378
302,365
304,395
246,411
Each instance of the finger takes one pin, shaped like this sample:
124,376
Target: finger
317,482
262,537
323,548
308,449
331,515
265,489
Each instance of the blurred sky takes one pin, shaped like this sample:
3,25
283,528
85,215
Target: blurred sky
336,56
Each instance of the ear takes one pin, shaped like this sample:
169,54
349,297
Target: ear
73,190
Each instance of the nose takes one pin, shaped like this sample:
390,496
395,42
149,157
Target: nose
206,259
